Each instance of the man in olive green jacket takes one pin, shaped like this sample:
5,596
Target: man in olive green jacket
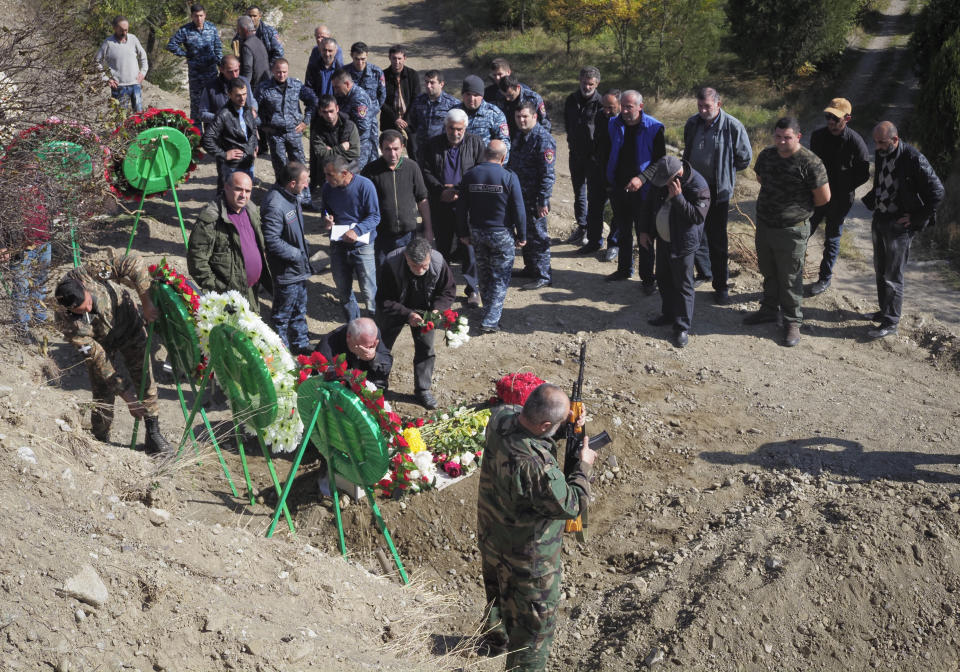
226,244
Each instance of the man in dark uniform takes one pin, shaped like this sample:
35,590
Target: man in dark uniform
499,68
676,209
100,318
265,33
580,118
491,217
844,155
445,160
368,77
512,95
356,104
413,280
904,200
523,499
199,42
360,341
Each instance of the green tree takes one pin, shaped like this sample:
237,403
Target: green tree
780,37
937,21
573,18
939,106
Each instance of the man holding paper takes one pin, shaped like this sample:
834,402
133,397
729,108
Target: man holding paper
351,213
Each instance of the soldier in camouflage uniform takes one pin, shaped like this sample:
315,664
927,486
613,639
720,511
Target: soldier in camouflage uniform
199,41
534,161
522,503
485,120
356,104
370,78
100,318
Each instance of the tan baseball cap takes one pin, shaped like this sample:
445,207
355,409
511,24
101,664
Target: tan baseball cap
839,107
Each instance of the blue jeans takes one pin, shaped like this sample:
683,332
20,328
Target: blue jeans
27,285
131,92
289,314
347,261
833,213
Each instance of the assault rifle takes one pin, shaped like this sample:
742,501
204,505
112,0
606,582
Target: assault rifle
575,434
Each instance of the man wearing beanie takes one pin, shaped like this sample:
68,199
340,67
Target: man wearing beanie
99,317
484,119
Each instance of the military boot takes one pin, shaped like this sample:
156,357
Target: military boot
155,443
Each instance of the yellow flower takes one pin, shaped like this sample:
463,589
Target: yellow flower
414,440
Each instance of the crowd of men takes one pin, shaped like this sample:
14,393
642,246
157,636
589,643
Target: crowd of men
409,181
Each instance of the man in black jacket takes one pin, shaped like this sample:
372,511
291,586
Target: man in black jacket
413,280
445,160
254,61
844,155
403,86
580,117
232,136
402,195
331,134
904,199
360,341
675,210
288,257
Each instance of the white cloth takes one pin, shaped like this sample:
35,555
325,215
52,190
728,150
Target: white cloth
663,221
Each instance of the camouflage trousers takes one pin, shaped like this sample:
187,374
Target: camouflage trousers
494,249
197,80
536,253
521,613
132,351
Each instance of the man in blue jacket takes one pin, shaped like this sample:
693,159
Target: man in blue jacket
491,217
351,214
286,247
200,43
636,142
717,146
675,211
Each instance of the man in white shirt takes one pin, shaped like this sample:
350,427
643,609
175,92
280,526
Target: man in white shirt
126,60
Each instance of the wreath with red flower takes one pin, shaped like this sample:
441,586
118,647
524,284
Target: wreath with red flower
390,423
126,133
514,388
162,272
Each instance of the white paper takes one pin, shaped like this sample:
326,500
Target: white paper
336,233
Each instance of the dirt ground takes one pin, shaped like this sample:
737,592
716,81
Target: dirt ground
761,508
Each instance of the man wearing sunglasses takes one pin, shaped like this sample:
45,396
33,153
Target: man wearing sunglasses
845,156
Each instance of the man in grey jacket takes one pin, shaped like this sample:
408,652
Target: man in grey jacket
126,60
287,256
717,146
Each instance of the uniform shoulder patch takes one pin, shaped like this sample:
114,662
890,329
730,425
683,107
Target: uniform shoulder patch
362,111
504,130
548,156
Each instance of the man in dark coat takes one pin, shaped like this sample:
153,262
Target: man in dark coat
360,341
403,87
332,133
254,61
231,138
676,209
414,280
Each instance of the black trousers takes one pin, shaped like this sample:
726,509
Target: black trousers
675,281
424,355
891,251
627,207
444,219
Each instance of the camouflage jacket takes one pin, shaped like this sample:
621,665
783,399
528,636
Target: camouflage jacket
115,316
524,497
488,122
202,48
533,159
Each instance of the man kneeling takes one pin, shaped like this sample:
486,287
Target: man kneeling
360,341
413,280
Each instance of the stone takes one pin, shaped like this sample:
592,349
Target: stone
773,562
80,615
158,516
87,587
26,454
655,656
5,391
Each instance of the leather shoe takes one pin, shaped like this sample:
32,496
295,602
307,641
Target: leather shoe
882,331
612,253
874,317
660,320
819,287
426,399
791,334
589,248
721,298
760,317
681,338
649,288
618,275
473,300
538,284
484,329
576,238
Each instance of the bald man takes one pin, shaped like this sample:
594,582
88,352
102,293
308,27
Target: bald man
360,341
904,199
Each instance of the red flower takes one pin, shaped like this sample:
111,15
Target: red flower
453,469
304,374
402,442
303,360
419,422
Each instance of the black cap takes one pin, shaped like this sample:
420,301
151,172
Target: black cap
70,293
472,84
667,167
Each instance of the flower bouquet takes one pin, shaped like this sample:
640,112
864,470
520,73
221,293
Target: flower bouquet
456,326
413,469
163,273
231,308
514,388
124,135
456,440
355,380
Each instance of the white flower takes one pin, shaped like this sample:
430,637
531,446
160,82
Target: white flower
466,459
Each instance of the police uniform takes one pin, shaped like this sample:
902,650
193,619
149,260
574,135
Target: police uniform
428,116
113,325
203,51
510,107
372,81
357,105
522,501
534,160
490,211
488,123
280,114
